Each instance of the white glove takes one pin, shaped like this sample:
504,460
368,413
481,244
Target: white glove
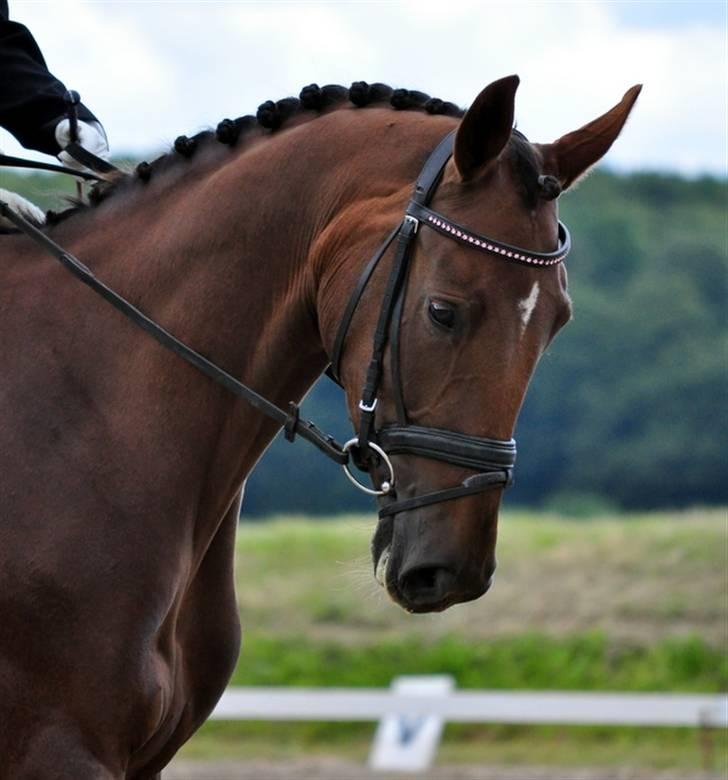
20,206
90,135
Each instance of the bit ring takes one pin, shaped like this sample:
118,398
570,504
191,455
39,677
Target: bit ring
386,486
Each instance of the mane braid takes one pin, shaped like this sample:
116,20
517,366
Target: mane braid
273,115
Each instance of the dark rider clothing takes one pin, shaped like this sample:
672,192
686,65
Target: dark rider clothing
31,98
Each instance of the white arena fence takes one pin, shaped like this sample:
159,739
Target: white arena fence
413,711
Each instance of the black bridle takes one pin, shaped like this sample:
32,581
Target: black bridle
492,459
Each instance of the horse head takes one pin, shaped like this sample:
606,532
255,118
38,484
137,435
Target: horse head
446,347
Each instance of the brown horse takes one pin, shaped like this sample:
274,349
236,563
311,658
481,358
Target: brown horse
121,466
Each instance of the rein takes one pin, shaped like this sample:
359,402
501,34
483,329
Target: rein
6,161
494,459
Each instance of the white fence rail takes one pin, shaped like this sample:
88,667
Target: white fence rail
413,712
525,707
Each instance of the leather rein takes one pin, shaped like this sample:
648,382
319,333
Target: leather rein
493,459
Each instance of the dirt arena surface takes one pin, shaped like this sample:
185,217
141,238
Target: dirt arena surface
341,770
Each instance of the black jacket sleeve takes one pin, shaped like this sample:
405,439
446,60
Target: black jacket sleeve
31,99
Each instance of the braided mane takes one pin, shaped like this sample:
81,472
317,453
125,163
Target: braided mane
272,116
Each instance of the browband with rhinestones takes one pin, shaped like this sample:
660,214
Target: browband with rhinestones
441,224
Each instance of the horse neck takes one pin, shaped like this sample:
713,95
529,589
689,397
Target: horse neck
230,257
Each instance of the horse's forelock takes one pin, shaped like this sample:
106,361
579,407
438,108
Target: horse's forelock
527,167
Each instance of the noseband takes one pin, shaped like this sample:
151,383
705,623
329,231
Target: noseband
492,459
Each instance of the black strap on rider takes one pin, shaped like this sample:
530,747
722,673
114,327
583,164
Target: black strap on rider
290,421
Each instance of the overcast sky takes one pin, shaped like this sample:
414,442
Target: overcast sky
154,70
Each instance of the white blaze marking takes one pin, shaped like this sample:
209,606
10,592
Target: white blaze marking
527,305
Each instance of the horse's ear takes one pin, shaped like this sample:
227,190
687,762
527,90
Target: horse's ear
573,154
486,127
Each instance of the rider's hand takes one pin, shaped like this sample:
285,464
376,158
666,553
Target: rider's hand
91,136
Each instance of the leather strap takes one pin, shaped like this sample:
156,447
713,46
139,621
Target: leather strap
432,171
73,100
460,449
479,483
470,238
334,368
367,405
395,355
90,160
6,161
424,189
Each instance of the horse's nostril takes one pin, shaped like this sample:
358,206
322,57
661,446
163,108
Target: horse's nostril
422,579
433,588
425,584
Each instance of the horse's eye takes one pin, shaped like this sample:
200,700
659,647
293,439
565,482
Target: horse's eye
442,313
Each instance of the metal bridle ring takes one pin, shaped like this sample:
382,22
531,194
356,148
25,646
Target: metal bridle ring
386,486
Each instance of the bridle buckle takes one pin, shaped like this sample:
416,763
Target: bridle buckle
368,408
413,221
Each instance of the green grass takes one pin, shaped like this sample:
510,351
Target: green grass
630,603
525,661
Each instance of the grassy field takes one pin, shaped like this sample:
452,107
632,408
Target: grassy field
638,578
613,603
